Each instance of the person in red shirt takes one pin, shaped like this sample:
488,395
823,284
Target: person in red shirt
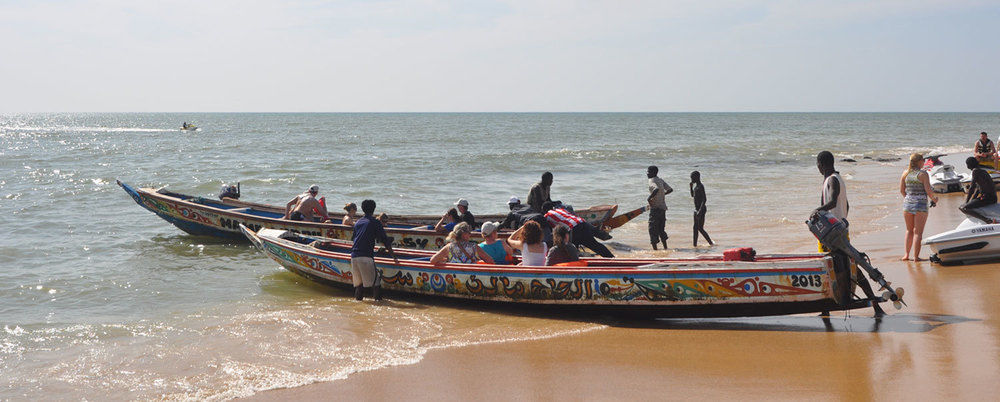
582,232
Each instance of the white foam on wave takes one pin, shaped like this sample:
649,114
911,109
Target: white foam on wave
220,355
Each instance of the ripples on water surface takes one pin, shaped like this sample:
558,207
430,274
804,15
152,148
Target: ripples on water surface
99,296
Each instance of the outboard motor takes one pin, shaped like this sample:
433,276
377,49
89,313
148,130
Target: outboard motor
832,233
230,191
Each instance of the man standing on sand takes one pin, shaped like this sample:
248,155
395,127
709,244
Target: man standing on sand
658,189
367,231
539,193
834,200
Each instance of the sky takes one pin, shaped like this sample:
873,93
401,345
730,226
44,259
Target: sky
500,56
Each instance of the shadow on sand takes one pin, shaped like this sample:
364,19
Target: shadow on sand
900,323
838,322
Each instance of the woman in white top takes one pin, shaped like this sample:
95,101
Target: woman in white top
528,239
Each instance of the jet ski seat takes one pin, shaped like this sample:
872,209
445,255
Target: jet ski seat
990,211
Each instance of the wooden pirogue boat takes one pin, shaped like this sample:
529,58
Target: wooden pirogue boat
221,218
703,287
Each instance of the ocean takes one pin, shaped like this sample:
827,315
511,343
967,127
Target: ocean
100,299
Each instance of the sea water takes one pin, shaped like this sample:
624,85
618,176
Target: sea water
100,298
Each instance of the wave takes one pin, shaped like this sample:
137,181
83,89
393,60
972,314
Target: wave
217,355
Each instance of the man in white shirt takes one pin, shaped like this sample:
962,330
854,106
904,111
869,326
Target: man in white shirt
658,189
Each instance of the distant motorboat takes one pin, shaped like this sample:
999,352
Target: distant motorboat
189,127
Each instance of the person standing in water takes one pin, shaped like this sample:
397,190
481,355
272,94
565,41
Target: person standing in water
700,208
834,200
658,189
367,231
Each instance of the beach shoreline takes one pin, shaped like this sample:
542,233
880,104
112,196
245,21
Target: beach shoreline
914,352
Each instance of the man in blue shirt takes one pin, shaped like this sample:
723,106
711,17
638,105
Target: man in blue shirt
367,231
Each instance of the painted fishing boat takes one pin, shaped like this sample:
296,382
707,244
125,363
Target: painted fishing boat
650,288
221,218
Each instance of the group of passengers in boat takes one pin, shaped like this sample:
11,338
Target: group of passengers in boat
538,225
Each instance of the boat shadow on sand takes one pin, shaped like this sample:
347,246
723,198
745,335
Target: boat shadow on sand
811,322
899,323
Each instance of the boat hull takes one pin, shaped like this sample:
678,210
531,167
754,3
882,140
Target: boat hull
664,289
207,217
970,241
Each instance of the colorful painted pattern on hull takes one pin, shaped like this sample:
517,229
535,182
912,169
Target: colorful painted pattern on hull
668,284
199,219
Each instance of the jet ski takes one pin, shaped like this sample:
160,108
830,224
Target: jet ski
944,179
967,180
189,127
973,239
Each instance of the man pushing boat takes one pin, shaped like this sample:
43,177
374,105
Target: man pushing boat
367,231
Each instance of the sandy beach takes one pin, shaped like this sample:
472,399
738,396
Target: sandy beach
943,345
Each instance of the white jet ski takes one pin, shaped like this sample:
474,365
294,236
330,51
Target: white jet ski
973,239
944,179
967,181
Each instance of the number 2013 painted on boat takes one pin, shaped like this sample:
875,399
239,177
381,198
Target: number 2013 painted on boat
807,280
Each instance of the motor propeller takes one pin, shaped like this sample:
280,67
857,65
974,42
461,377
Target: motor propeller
832,233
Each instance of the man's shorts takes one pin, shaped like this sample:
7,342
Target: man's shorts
363,271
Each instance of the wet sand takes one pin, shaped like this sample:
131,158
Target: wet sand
943,345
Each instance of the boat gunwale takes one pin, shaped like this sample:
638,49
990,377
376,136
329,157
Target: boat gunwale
148,191
822,262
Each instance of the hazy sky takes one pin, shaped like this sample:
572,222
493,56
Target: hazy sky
439,56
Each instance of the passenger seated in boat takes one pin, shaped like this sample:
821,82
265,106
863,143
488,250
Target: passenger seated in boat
982,192
984,150
528,239
302,206
351,209
462,206
562,249
498,250
459,249
448,221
